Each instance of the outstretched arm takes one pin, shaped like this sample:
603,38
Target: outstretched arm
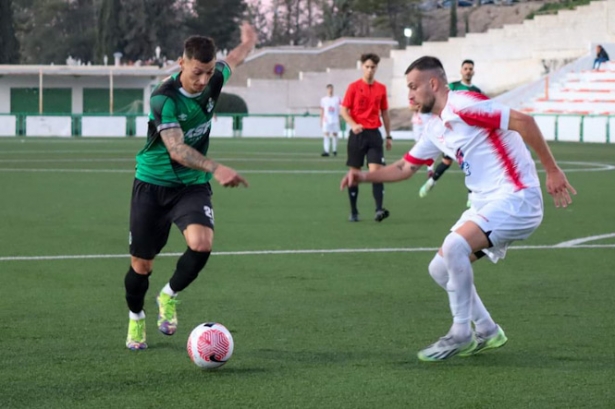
398,171
239,53
557,183
173,139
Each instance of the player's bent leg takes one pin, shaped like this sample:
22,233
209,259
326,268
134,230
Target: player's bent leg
378,192
199,239
136,283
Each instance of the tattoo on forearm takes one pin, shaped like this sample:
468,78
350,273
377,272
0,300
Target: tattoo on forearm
180,152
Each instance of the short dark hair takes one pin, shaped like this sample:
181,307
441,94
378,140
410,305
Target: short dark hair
370,56
467,62
329,85
425,63
200,48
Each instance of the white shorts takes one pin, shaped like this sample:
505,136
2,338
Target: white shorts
505,219
333,127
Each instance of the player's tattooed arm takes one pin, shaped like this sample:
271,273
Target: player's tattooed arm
173,139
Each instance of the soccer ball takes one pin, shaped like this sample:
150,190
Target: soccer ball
210,345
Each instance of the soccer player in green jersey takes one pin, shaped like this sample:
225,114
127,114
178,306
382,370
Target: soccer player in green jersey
467,73
171,184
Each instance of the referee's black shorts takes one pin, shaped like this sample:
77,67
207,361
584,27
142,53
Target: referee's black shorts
367,144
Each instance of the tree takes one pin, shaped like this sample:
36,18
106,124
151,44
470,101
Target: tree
338,18
46,30
453,27
256,16
136,31
219,19
9,46
108,35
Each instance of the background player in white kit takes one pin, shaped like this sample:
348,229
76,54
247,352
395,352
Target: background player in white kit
330,120
487,139
418,126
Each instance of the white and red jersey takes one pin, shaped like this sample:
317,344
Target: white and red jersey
418,124
331,109
474,130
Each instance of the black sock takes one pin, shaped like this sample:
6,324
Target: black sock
136,286
378,191
440,169
188,268
353,194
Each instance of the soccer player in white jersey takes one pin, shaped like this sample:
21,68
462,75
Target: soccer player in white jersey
330,120
488,141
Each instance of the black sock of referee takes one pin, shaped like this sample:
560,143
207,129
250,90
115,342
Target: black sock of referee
136,286
378,191
440,169
353,194
188,268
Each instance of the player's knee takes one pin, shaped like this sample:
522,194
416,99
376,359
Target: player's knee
438,271
141,266
454,248
202,245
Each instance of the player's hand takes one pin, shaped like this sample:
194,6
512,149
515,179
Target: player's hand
352,178
559,188
248,34
227,177
389,144
357,129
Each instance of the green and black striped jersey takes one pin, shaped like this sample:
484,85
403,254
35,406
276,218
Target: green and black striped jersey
171,106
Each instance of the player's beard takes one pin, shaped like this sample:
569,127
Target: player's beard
427,107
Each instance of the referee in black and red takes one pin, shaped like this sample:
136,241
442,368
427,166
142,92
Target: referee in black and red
364,103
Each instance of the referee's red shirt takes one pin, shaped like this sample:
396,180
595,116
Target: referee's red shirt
365,101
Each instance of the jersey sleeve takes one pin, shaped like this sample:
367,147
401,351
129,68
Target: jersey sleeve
384,104
164,113
349,97
422,153
484,113
225,69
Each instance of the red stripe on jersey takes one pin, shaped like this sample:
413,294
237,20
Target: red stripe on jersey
489,120
416,161
510,168
474,95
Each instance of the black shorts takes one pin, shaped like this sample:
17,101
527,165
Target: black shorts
365,144
153,208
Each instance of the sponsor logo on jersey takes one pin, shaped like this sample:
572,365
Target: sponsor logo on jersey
182,117
197,132
210,105
463,164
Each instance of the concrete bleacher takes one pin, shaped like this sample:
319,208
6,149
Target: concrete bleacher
588,92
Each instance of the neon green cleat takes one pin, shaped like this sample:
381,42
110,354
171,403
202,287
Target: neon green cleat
427,187
136,335
167,313
483,343
445,348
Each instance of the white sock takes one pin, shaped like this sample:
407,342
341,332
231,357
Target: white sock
134,316
334,143
480,316
456,253
168,291
326,144
483,322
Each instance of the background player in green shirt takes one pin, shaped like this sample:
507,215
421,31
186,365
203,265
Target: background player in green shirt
172,178
467,72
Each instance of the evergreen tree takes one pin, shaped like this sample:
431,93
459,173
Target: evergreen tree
9,46
109,37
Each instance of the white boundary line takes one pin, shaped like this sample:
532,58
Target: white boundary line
299,251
